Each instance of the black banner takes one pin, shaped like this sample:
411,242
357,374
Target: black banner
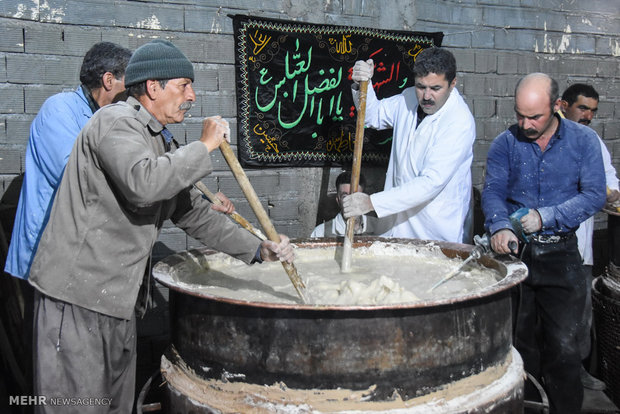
294,89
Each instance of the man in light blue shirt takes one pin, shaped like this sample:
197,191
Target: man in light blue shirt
52,134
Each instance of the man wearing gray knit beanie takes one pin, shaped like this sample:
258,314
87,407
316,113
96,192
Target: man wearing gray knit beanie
126,175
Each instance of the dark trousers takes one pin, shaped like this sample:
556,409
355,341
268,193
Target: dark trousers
84,361
549,321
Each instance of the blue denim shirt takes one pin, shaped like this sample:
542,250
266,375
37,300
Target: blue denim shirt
52,135
565,183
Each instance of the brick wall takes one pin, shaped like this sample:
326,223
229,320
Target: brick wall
495,42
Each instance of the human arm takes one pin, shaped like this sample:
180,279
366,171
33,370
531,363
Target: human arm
580,186
610,172
379,113
613,195
135,160
495,191
423,165
195,215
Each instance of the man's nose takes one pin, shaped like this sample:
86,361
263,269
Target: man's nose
588,114
191,95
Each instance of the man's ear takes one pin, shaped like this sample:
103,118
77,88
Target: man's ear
107,80
563,105
153,88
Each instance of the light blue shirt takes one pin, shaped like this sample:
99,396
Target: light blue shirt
52,135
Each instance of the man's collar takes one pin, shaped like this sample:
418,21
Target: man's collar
92,103
145,116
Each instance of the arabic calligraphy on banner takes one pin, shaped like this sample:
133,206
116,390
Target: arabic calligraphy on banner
294,89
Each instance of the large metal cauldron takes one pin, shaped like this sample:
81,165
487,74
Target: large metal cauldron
412,349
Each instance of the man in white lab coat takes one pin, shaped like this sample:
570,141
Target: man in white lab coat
579,104
428,184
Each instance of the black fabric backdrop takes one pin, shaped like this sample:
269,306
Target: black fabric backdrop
294,89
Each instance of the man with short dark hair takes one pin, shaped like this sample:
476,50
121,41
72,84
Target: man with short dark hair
337,226
553,169
428,183
52,134
124,178
580,104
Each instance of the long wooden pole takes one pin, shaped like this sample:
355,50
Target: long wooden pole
262,216
234,215
355,175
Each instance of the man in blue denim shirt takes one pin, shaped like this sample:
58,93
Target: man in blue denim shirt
554,168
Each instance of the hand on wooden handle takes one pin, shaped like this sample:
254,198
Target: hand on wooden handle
215,130
224,206
271,251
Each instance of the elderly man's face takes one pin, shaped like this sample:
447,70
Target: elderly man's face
171,103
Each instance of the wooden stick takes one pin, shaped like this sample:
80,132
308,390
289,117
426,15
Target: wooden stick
262,216
234,215
355,176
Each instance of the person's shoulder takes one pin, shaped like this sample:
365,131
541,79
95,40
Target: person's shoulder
580,134
116,111
61,108
456,107
63,99
507,136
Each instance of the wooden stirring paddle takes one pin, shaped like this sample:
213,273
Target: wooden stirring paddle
262,216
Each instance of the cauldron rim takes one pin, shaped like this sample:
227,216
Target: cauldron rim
513,271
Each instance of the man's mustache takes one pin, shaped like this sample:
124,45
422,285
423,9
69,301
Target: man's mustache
185,106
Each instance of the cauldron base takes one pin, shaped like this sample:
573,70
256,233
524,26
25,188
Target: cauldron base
186,392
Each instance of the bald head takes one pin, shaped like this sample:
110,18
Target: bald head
536,98
539,85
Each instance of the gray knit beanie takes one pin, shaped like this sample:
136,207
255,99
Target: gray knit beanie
158,59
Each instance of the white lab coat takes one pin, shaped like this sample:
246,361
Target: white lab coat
337,227
428,184
585,232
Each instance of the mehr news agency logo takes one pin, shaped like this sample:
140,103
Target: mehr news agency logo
58,401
